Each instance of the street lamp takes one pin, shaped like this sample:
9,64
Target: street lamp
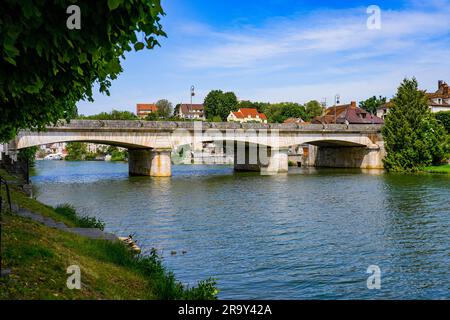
337,99
192,93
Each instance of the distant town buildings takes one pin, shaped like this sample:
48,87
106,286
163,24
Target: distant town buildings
144,109
247,115
191,111
437,101
347,114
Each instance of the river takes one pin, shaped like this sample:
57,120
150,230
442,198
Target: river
310,234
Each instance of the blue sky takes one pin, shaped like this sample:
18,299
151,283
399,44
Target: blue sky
285,50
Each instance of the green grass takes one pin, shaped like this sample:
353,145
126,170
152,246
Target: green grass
39,257
438,169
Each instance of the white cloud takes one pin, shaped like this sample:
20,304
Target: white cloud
321,33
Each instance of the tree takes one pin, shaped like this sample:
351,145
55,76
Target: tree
413,137
313,109
164,108
176,110
218,103
47,67
279,112
372,104
76,151
113,115
28,155
116,154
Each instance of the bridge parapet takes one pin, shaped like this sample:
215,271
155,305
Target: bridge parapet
133,125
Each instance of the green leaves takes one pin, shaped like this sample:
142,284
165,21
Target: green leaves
139,46
218,103
35,87
63,65
372,104
114,4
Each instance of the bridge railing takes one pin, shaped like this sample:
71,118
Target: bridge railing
172,125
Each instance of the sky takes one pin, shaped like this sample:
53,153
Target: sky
285,50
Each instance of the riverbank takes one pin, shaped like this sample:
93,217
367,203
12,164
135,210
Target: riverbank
445,168
38,257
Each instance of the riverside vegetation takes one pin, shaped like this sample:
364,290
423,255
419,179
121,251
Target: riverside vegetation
38,257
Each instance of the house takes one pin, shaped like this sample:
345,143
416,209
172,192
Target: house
437,101
347,114
144,109
191,111
247,115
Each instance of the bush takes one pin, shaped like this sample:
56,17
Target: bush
68,211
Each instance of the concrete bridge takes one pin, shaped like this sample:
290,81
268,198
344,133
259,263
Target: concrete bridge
262,147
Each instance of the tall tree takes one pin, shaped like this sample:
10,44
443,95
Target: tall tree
218,103
372,104
413,137
48,64
164,108
313,109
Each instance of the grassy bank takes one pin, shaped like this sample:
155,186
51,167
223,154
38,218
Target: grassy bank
39,256
438,169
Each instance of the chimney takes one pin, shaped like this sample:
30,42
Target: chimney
353,105
440,83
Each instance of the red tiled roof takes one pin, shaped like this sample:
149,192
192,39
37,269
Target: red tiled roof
246,112
144,108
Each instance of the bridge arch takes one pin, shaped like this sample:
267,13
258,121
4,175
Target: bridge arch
37,139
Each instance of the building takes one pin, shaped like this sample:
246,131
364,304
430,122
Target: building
247,115
144,109
191,111
437,101
347,114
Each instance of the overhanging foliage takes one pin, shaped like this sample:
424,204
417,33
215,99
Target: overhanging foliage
47,68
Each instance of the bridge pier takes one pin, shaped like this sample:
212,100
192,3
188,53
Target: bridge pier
278,162
149,162
267,160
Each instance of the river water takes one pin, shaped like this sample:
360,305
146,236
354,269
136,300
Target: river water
310,234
